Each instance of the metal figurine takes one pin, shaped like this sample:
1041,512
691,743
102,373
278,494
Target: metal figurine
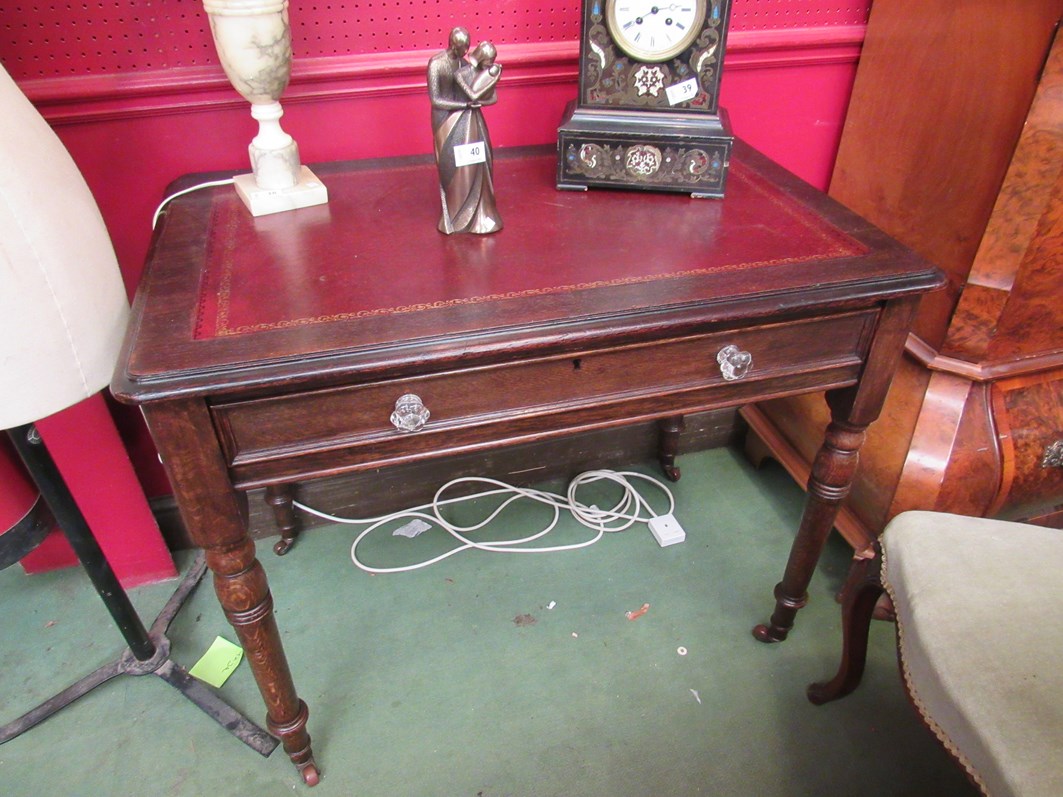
458,88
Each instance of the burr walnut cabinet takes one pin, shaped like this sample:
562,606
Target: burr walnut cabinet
968,171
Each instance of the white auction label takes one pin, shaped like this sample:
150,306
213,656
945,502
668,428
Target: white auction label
682,92
468,154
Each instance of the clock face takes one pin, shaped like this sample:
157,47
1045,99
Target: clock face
654,30
653,54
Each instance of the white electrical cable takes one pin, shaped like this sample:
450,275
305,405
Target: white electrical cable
182,192
625,513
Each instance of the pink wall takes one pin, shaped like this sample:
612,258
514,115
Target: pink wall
136,117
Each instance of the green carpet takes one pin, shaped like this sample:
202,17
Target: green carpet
427,683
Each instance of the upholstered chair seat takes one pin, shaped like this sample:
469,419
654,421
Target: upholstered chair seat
977,606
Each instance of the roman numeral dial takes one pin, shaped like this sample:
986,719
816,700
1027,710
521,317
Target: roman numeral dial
654,30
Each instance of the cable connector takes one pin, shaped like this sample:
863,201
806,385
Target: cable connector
666,530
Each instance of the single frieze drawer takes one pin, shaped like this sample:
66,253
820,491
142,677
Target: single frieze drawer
334,418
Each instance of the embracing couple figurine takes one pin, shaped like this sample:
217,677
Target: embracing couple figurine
458,87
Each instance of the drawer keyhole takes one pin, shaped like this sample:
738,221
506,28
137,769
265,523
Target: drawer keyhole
577,364
1053,456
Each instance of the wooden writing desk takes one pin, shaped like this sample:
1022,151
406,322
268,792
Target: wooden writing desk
266,351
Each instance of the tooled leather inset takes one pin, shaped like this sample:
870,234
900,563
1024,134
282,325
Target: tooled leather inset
225,307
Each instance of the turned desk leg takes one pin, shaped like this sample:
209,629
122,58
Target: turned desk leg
215,515
243,591
281,498
832,475
670,429
852,410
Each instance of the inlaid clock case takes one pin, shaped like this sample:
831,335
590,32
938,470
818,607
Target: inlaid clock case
645,124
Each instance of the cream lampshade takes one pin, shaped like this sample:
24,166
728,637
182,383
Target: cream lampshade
63,313
63,308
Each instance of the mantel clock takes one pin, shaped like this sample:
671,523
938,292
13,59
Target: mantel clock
648,114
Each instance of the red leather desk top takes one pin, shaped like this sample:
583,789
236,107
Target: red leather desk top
339,261
225,294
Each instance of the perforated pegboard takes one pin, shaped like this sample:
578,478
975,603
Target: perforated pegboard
40,39
775,14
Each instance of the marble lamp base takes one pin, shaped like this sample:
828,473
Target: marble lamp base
307,191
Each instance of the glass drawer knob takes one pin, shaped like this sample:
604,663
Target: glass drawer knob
734,363
410,413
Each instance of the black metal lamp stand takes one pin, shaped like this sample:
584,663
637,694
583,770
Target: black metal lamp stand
148,651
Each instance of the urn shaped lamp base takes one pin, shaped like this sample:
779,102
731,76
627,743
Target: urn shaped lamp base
306,192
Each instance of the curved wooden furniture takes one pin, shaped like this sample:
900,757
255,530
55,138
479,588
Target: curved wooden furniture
983,674
976,407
